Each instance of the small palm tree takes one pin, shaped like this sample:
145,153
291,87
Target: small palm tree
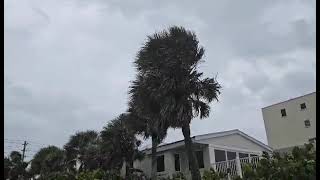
14,167
82,147
168,62
47,161
118,141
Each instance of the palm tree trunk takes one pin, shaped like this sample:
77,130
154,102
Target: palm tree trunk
194,167
154,158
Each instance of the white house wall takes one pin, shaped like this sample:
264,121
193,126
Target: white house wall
234,141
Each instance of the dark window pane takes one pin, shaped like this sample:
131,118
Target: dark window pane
252,155
283,112
177,162
231,155
312,140
219,155
303,106
243,155
160,163
199,155
307,123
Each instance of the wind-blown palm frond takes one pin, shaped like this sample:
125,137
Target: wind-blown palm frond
169,82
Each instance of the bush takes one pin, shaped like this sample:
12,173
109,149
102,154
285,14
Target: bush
299,164
98,175
212,175
178,176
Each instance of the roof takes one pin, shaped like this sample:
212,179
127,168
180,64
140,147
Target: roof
289,99
231,132
197,139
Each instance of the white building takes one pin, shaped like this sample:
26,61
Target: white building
291,123
221,150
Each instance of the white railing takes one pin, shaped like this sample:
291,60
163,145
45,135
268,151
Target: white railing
235,166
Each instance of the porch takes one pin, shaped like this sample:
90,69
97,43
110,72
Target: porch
222,159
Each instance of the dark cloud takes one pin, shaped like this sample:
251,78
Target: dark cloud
68,64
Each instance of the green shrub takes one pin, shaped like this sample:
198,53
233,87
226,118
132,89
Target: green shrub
178,176
98,175
212,175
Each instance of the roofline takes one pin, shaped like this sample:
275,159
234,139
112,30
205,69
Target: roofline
235,131
194,137
289,100
219,134
256,141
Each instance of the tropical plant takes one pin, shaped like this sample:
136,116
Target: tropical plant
98,174
168,64
82,148
118,142
14,167
178,176
144,113
6,167
300,163
48,161
211,174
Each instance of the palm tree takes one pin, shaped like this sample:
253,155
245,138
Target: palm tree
6,167
169,60
82,148
47,161
119,143
145,117
14,167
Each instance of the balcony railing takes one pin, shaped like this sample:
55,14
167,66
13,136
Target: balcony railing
234,167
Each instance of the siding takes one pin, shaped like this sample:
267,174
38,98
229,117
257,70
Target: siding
284,132
234,141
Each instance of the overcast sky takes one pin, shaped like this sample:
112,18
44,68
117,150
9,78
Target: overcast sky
68,63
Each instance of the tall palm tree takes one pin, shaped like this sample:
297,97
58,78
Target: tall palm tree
170,59
82,148
120,143
144,111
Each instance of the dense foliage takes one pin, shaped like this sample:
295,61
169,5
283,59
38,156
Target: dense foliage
211,174
14,167
300,163
172,85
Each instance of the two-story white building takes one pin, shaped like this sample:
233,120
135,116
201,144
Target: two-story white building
221,150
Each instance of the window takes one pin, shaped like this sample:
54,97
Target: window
307,123
253,155
177,162
303,106
219,155
199,155
283,112
160,163
231,155
243,155
312,140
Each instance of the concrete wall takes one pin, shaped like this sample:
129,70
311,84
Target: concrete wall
284,132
